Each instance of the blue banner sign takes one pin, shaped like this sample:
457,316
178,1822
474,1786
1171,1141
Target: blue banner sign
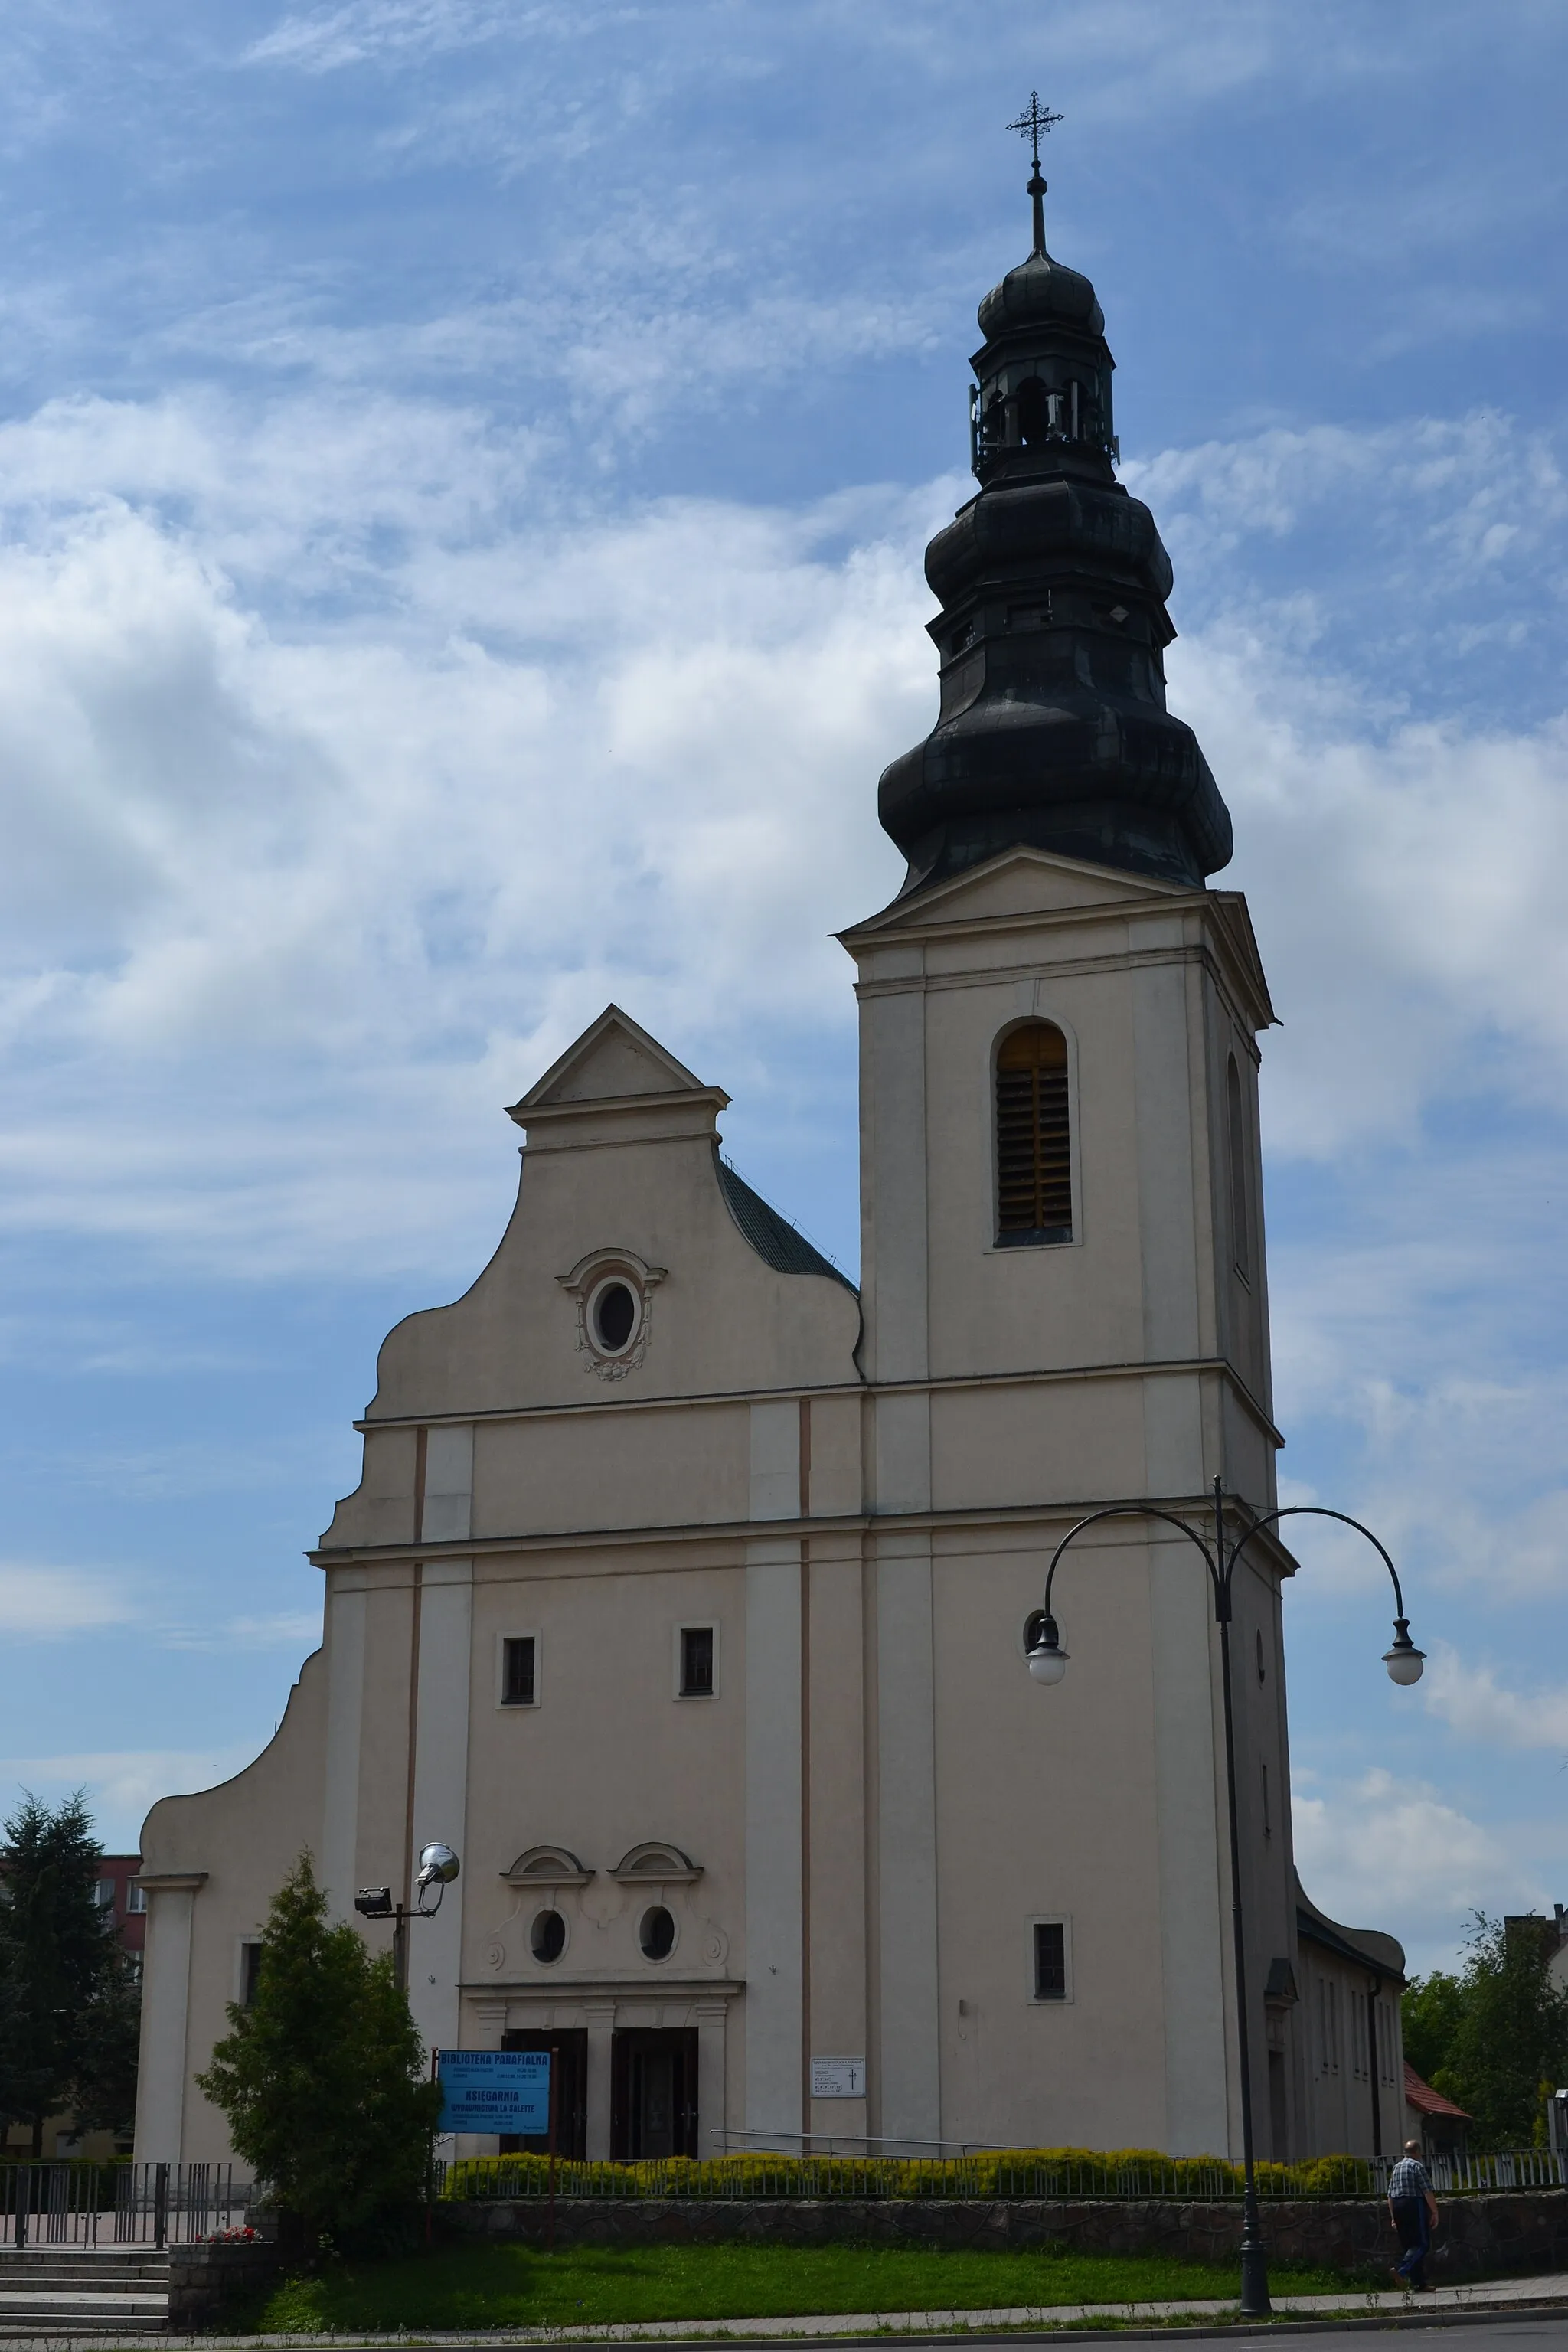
494,2091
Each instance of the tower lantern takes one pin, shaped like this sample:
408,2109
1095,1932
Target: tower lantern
1053,730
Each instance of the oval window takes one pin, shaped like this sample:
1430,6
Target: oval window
547,1936
614,1316
656,1933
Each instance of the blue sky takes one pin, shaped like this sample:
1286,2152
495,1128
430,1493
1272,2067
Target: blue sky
464,467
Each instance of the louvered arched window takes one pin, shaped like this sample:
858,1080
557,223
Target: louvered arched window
1034,1146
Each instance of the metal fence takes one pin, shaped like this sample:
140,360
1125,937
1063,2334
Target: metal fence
121,2204
974,2173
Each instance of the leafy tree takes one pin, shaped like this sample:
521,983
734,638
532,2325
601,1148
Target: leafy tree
67,1999
322,2078
1431,2011
1494,2038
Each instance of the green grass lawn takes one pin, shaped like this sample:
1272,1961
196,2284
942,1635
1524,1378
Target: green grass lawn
515,2286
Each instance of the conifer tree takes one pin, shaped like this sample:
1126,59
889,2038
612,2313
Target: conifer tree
68,2004
323,2077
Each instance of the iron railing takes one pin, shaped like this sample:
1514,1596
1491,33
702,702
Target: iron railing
972,2173
121,2204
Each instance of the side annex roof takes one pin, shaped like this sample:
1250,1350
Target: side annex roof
773,1238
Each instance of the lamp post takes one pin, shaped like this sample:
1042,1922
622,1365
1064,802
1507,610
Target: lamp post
439,1865
1048,1663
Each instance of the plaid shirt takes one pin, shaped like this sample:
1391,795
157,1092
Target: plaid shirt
1408,2179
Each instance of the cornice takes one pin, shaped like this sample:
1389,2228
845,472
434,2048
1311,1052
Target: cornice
1235,975
735,1535
585,1991
1163,1368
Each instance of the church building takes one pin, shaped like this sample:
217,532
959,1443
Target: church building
688,1589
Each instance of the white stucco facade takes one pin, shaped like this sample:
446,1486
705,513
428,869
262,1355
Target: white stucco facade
857,1831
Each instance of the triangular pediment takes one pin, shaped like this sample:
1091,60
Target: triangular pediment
1236,923
613,1058
1021,881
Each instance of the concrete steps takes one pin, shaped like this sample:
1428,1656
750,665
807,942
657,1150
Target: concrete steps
116,2291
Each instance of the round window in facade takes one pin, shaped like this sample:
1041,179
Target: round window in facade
547,1936
656,1933
614,1316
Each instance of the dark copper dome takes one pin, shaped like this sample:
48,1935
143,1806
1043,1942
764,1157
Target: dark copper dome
1053,728
1038,291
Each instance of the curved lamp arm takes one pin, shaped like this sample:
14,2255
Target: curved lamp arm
1404,1660
1047,1659
1130,1511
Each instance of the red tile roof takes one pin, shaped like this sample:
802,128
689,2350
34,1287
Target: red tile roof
1425,2100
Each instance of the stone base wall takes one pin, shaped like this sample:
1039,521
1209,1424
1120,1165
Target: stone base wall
1479,2236
202,2279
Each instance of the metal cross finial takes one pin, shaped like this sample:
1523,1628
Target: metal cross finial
1034,120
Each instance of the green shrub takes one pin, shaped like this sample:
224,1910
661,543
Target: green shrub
996,2173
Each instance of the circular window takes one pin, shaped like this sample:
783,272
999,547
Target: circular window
547,1936
656,1933
615,1312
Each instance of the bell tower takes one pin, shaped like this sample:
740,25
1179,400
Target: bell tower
1065,1307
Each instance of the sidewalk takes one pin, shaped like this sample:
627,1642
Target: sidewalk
1494,2295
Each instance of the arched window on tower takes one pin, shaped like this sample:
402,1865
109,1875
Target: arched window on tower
1034,1145
1038,412
1240,1222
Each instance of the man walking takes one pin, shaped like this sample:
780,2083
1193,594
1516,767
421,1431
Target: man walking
1415,2211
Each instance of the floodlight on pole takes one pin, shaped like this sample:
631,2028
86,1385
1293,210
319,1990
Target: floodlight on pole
439,1865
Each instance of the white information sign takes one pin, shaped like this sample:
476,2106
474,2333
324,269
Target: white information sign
838,2078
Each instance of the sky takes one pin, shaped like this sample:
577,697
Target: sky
464,471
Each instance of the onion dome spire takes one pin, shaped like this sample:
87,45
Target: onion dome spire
1053,728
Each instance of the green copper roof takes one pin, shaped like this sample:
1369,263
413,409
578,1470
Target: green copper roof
771,1236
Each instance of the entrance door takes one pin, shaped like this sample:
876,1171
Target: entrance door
653,2091
570,2044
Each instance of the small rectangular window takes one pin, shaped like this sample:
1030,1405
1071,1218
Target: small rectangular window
697,1662
1050,1959
103,1894
1236,1117
249,1971
135,1898
518,1682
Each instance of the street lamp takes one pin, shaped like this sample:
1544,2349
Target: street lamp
1049,1664
439,1865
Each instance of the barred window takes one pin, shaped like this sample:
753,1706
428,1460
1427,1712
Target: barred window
519,1680
1050,1959
1034,1158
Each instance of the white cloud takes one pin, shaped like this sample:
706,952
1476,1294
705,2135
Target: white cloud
38,1603
122,1785
1466,1693
291,862
289,1628
1381,1852
297,1630
324,39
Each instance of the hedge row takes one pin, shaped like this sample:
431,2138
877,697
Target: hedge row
1006,2172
